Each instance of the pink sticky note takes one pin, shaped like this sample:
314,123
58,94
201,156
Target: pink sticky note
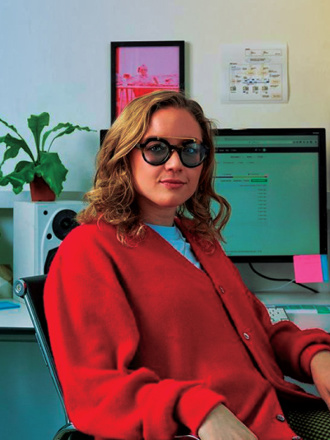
308,268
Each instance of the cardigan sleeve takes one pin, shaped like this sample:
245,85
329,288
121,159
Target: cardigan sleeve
293,347
94,338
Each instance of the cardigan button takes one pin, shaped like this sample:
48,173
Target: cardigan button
222,290
246,336
280,417
296,437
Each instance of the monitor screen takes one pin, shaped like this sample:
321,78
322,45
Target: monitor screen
275,181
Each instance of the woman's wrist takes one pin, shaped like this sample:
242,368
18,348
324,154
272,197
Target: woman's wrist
319,360
195,404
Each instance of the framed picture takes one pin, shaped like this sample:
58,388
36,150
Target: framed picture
141,67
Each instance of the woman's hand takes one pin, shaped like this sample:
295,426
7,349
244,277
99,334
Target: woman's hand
221,424
320,368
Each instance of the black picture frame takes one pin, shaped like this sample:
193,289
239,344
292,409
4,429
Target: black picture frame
140,67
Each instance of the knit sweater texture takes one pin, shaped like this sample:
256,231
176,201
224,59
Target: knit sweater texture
146,344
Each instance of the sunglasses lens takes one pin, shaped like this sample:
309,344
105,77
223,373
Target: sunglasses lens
192,154
155,152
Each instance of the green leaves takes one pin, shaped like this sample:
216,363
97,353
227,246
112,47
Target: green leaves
43,163
68,129
52,170
36,124
10,141
23,173
13,146
9,126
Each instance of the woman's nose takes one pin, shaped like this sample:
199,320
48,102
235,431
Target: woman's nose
174,162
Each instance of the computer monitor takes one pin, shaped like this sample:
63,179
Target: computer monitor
275,181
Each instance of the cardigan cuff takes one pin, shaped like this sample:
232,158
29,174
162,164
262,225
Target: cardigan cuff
307,355
194,406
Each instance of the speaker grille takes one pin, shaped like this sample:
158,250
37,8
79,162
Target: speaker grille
64,221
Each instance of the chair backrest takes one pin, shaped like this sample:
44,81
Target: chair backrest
31,289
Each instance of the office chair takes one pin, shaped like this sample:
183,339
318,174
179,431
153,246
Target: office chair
31,289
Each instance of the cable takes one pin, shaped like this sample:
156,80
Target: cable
281,279
275,288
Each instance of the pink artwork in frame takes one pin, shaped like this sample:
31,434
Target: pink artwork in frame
143,67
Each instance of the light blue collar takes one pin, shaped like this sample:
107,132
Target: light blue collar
173,235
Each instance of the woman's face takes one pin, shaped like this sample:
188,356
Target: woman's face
161,189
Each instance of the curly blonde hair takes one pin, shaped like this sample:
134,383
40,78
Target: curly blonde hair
113,197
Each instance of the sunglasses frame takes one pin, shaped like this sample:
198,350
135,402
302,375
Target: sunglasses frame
179,150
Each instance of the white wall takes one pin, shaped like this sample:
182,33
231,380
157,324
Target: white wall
55,56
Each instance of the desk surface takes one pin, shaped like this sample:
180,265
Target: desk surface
301,297
15,319
305,318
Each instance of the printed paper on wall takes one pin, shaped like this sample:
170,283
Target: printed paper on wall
254,73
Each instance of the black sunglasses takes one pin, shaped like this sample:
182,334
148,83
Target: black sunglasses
156,151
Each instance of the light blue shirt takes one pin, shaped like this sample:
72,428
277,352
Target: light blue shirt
173,235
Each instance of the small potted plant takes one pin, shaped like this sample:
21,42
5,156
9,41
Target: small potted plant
44,170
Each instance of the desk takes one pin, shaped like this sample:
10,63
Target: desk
28,394
29,405
303,320
15,321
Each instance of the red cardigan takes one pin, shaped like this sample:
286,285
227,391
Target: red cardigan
145,342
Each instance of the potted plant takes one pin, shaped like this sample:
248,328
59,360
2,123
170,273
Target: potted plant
44,170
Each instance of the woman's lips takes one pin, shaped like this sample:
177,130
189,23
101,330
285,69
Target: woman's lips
172,183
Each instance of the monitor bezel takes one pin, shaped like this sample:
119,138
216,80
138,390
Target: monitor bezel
322,176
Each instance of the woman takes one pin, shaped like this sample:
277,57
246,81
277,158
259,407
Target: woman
153,332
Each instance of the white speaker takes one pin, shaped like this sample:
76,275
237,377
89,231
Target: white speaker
39,228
